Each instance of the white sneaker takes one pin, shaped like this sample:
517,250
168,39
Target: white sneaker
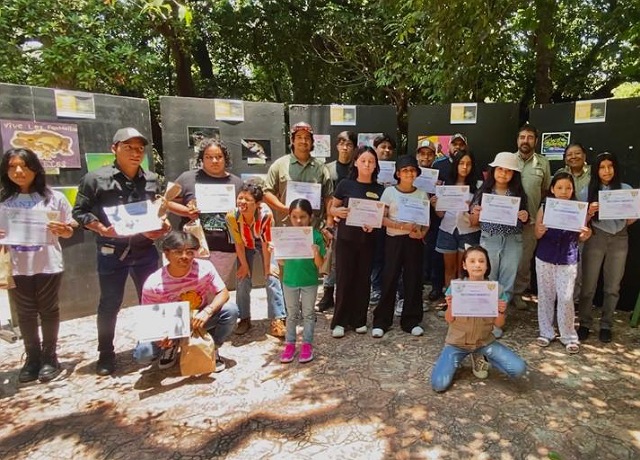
168,357
417,331
376,332
337,332
361,330
399,307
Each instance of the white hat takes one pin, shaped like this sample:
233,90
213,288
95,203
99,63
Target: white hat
506,160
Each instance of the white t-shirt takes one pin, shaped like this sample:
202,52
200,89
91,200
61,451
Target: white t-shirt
390,198
31,260
459,220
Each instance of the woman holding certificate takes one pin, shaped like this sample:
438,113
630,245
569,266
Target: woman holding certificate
37,268
501,231
407,222
607,247
355,244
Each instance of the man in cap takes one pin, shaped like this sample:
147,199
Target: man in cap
298,166
120,183
536,179
426,153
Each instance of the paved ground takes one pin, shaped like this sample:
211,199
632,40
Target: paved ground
360,398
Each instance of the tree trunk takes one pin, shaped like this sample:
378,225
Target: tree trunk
181,60
544,37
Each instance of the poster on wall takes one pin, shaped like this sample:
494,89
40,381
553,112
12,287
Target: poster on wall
366,139
256,151
74,104
98,160
56,144
228,109
342,115
465,114
196,133
553,144
592,111
321,145
440,140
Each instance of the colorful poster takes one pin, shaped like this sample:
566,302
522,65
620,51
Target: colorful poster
98,160
592,111
70,192
342,115
440,140
553,144
74,104
321,145
228,109
366,139
465,114
196,133
56,144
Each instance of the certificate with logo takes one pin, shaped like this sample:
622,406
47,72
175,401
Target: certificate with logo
474,298
292,242
427,180
27,227
413,210
387,170
452,198
365,212
500,209
132,218
215,198
162,320
619,204
565,214
307,190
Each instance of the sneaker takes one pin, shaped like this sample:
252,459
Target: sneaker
106,363
374,298
288,352
583,333
31,368
480,366
361,329
221,364
306,353
399,306
377,332
497,332
337,332
243,326
277,328
168,357
417,331
50,367
605,335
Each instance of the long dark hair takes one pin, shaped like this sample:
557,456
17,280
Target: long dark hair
594,183
353,172
31,161
560,175
515,187
477,248
471,179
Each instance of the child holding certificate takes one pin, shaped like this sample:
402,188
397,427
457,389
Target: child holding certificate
473,335
607,248
403,250
556,267
37,269
502,241
300,286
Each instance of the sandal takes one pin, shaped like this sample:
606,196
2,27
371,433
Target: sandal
543,342
572,348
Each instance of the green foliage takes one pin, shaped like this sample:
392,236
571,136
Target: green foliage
629,89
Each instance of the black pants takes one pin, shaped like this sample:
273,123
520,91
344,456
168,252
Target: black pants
353,267
403,255
34,297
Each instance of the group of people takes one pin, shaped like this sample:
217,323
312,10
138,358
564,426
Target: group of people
369,267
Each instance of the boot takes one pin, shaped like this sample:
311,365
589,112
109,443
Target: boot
326,303
31,368
50,366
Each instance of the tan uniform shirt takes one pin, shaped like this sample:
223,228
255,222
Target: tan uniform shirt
581,180
536,179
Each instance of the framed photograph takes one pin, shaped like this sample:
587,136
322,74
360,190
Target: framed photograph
465,113
196,133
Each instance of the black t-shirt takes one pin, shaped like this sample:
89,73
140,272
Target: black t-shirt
342,171
213,224
349,188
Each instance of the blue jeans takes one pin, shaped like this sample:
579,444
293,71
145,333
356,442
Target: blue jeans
300,300
275,298
500,356
505,252
112,276
220,326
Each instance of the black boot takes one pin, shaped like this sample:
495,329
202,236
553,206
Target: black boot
326,302
50,366
29,371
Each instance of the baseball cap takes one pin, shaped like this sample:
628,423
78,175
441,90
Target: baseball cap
301,126
426,144
458,136
124,134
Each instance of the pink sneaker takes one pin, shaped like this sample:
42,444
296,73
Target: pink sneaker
306,353
288,353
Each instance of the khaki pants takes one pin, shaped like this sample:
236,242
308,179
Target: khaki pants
529,242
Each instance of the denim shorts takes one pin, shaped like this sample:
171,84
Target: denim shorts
448,243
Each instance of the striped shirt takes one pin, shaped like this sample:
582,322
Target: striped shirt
247,234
